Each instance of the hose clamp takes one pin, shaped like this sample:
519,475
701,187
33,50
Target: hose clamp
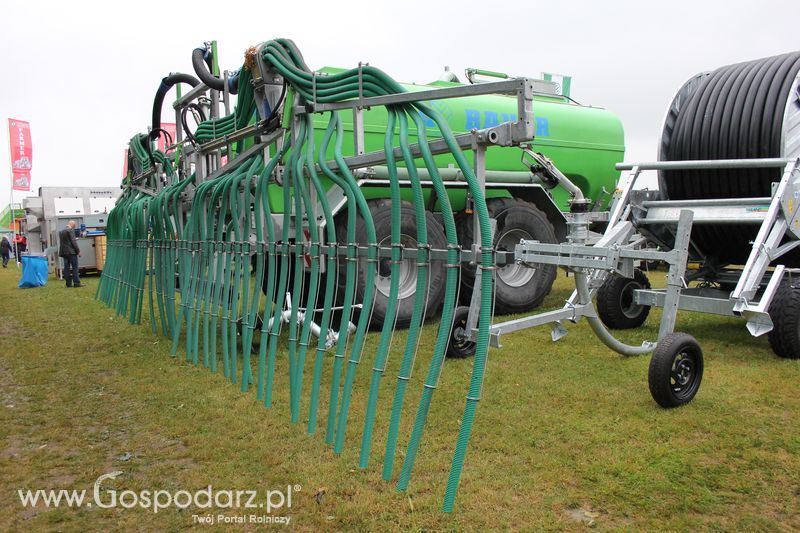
377,249
350,247
314,251
493,266
400,248
423,254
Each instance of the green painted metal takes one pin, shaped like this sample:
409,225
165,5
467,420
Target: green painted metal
585,143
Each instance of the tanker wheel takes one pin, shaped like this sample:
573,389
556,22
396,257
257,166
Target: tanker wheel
458,346
381,211
517,288
676,370
616,304
785,314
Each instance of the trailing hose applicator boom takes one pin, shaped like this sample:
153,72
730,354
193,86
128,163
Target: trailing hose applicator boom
237,249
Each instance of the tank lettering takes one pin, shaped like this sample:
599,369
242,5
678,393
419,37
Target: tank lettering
542,127
490,119
473,119
428,121
476,119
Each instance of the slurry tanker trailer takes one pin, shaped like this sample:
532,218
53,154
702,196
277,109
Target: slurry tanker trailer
333,201
584,142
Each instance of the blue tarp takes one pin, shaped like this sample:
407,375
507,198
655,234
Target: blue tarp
34,271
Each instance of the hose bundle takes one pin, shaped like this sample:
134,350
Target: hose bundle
204,254
735,112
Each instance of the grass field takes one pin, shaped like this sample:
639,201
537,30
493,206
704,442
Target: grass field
566,436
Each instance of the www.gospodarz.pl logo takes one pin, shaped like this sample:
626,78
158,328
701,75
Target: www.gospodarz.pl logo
207,498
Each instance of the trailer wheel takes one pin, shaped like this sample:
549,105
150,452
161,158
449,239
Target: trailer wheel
616,305
381,211
458,346
517,288
676,370
785,314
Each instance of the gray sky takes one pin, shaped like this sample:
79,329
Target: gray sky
84,73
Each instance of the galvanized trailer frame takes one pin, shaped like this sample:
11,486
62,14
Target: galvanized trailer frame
620,246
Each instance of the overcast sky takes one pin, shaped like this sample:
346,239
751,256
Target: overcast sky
84,73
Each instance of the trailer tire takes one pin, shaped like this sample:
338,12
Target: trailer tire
615,303
517,288
381,210
785,314
676,370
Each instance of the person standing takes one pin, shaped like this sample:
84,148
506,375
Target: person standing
5,251
68,249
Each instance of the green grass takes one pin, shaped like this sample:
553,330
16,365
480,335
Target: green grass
566,433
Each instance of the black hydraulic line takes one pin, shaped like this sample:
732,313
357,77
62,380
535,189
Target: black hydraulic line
185,124
201,62
166,84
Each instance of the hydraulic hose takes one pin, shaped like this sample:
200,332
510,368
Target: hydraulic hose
166,84
201,62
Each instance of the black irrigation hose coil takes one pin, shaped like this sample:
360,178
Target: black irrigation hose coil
741,111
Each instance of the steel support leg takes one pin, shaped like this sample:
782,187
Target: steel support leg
676,272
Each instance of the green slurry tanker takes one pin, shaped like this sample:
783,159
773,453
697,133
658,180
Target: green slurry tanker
585,143
310,206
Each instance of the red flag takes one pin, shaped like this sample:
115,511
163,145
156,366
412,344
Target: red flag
19,136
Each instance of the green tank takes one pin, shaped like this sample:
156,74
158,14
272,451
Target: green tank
584,142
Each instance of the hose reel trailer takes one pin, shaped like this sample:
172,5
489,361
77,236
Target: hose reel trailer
729,191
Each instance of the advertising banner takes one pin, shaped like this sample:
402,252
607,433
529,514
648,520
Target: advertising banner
19,136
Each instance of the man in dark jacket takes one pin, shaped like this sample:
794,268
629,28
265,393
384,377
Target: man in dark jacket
68,249
5,251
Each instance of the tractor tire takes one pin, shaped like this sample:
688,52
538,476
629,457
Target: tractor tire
676,370
517,288
615,303
381,210
785,314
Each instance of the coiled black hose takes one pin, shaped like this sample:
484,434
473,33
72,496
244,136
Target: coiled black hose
735,112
